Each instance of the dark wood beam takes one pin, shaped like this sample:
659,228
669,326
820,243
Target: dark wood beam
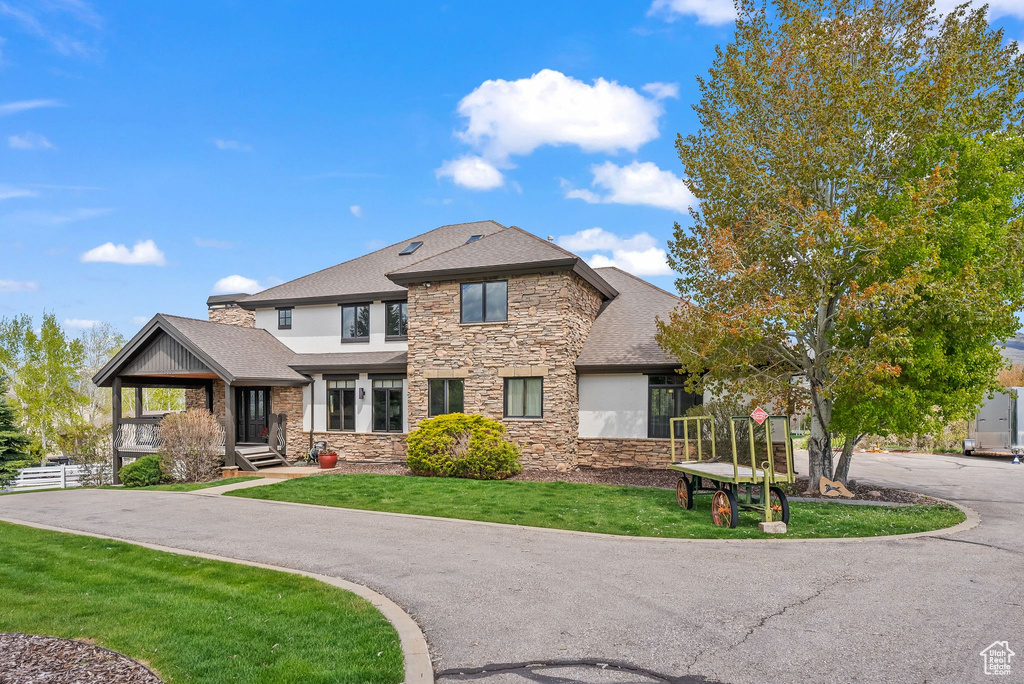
138,402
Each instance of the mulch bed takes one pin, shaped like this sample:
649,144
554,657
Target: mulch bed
640,477
34,659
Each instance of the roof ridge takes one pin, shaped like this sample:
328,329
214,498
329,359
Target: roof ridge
639,280
547,242
392,245
203,320
451,249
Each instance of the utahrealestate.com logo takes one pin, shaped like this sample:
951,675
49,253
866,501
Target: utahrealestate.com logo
997,658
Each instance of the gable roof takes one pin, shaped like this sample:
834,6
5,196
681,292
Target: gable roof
508,251
622,337
238,355
365,277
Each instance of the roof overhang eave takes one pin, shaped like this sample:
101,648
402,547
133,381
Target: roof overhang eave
359,297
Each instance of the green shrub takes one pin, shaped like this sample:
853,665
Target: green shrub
460,445
142,472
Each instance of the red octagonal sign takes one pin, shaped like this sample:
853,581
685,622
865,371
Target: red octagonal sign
759,415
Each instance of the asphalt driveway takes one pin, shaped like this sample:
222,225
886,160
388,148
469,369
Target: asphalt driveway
516,602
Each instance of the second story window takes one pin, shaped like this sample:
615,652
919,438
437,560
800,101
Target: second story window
284,319
485,302
396,325
355,322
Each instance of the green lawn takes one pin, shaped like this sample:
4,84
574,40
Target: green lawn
645,512
192,486
192,619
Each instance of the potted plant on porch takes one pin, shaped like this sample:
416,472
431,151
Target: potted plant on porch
327,459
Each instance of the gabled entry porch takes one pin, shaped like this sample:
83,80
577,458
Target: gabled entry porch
235,373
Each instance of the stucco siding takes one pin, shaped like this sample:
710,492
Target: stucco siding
317,330
613,405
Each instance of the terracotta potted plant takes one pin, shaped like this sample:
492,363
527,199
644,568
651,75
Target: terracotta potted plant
328,459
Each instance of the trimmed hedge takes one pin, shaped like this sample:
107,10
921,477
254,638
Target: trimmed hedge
460,445
142,472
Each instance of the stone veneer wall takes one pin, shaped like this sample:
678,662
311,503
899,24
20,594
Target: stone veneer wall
549,317
232,314
374,447
288,400
196,398
607,452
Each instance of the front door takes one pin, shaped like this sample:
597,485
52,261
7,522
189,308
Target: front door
253,406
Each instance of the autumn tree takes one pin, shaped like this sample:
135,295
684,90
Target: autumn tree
857,234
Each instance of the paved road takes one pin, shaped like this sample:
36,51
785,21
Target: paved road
507,599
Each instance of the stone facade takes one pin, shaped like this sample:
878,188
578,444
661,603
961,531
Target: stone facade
368,447
549,317
621,453
195,397
288,400
232,314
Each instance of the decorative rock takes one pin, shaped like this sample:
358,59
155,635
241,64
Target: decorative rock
775,527
874,494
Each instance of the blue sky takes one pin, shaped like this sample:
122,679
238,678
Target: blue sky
152,155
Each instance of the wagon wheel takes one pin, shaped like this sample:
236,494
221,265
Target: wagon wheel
723,508
684,492
779,503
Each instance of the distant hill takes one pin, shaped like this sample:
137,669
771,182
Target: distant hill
1014,351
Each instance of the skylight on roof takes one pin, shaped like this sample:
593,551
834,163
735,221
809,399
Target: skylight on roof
473,238
413,246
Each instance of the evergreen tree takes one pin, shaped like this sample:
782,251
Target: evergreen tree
13,442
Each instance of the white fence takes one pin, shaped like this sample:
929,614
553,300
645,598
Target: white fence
48,477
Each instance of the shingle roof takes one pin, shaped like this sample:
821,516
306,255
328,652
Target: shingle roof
623,333
351,361
506,251
365,275
237,354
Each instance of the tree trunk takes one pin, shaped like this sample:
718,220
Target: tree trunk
819,448
843,467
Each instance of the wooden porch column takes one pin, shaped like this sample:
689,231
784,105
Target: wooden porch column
209,396
138,402
229,426
115,410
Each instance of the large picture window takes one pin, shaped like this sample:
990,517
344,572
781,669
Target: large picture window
387,405
485,302
341,405
524,397
396,320
355,322
667,399
445,396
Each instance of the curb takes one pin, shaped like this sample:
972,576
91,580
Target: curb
418,668
971,520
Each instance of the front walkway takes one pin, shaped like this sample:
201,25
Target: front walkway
489,597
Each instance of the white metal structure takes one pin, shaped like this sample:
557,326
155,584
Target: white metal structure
999,426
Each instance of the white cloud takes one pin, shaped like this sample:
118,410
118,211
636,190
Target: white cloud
50,29
18,286
712,12
996,8
144,253
638,254
356,210
636,183
44,218
140,320
549,108
660,91
25,105
80,323
29,141
471,172
236,283
231,145
13,192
